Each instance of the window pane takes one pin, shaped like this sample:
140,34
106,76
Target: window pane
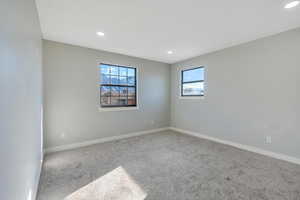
193,75
131,80
105,101
131,91
114,101
131,72
114,70
114,80
104,69
105,91
115,94
105,79
123,80
115,91
123,101
131,101
123,71
131,76
118,101
193,89
123,91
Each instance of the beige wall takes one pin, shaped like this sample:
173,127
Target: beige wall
21,99
72,95
252,92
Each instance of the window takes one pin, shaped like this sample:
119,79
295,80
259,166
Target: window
117,86
192,82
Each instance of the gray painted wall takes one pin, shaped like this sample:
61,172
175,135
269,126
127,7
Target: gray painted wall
252,92
72,95
21,99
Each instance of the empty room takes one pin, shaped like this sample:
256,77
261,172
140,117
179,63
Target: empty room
150,100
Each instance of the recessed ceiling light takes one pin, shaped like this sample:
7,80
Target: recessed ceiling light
170,52
292,4
100,33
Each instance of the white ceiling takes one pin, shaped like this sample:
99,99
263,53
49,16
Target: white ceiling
149,28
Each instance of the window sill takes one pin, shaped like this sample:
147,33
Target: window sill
108,109
192,98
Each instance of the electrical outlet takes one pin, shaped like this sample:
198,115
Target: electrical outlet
268,139
152,122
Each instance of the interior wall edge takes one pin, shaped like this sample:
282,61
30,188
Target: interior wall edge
37,180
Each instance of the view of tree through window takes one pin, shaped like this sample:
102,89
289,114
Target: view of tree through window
192,82
117,86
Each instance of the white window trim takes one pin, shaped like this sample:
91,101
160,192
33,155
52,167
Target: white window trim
192,98
180,81
110,109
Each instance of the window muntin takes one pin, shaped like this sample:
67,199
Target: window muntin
117,86
192,82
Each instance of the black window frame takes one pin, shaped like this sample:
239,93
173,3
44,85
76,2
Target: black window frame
119,85
198,81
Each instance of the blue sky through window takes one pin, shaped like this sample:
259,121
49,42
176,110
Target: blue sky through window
193,75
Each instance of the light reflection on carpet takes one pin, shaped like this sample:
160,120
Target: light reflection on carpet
115,185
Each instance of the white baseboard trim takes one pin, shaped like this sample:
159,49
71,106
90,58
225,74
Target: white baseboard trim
226,142
241,146
101,140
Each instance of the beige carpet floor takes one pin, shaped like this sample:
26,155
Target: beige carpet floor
166,166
